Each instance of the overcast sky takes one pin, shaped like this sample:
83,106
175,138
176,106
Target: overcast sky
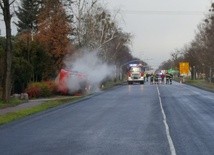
159,27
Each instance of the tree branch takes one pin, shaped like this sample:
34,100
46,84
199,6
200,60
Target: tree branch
107,41
1,5
12,2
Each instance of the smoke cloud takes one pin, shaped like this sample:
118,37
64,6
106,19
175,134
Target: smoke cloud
87,69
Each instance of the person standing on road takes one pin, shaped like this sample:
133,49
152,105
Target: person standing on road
170,78
147,76
162,78
167,78
152,78
156,78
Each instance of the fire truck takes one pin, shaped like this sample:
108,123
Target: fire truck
136,74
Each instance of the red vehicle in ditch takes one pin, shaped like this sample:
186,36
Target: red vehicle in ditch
70,82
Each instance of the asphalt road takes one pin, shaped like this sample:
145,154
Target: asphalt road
128,120
190,116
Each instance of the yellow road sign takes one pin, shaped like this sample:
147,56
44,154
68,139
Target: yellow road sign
184,67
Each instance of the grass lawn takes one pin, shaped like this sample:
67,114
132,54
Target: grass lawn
42,107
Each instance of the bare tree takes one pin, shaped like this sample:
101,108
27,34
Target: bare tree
103,33
96,28
5,7
79,8
200,52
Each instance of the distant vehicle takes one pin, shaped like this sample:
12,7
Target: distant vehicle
135,74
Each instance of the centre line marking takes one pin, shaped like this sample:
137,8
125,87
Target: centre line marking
171,145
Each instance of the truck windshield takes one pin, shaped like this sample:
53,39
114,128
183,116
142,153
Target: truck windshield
135,69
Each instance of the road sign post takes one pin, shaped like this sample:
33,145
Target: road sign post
184,68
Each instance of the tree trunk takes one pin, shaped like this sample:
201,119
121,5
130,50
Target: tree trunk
8,52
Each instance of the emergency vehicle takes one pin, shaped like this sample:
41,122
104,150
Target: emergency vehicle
136,74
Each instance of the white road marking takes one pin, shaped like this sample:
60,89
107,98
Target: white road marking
171,145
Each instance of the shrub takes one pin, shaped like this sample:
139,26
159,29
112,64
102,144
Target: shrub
52,86
41,89
33,90
45,92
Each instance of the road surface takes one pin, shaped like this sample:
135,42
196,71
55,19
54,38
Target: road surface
127,120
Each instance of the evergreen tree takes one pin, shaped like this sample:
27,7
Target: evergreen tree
28,54
27,14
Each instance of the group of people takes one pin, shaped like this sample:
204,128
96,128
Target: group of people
159,78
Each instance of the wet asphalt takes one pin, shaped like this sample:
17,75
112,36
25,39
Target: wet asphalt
128,119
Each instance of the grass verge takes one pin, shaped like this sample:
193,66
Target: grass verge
39,108
12,102
203,84
199,83
111,84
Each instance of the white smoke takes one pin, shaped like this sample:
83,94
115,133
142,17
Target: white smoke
86,66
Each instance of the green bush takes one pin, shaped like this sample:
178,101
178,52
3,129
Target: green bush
45,92
41,89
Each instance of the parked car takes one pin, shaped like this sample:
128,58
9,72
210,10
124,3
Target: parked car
135,74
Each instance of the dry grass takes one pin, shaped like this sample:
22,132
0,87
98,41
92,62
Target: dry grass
201,84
